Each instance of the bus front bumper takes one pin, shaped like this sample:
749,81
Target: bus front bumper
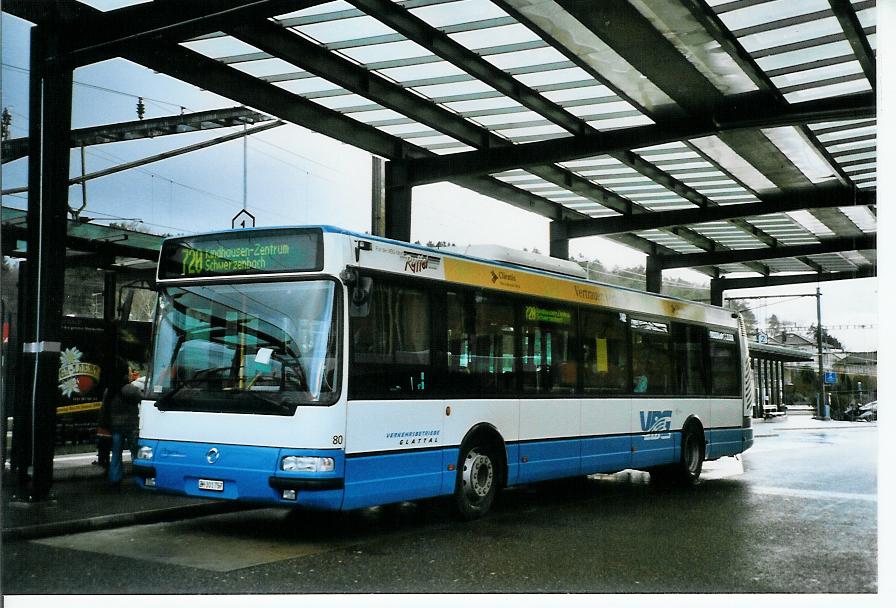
242,473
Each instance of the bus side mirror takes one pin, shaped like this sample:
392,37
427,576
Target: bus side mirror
359,305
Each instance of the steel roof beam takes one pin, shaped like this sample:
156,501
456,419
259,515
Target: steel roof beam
795,279
834,245
818,198
855,34
96,36
152,127
746,112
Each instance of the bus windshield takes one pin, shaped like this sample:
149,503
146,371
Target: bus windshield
256,348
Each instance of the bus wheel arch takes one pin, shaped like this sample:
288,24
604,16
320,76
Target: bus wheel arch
481,471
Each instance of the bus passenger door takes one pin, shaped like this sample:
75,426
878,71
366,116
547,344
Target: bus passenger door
394,418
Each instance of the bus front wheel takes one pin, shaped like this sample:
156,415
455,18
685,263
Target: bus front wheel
477,481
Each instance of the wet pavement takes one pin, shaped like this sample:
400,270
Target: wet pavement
798,514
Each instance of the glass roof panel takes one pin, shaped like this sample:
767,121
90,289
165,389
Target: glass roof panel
430,70
449,148
594,91
859,169
801,56
822,73
456,88
789,35
224,46
345,29
312,87
408,129
733,163
270,67
517,59
452,13
379,116
521,137
327,7
475,105
607,107
389,51
767,12
554,76
833,136
523,115
853,145
844,158
861,217
810,223
821,127
792,142
867,17
432,140
344,101
833,90
507,34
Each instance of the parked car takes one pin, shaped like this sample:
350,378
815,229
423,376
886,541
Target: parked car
868,411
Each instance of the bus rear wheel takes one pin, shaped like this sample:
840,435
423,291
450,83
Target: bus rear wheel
687,470
477,481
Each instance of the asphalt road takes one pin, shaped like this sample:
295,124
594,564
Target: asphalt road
798,514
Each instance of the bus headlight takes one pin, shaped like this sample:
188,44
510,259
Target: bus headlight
308,464
144,452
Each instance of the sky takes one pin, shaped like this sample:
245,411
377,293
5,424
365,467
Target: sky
298,177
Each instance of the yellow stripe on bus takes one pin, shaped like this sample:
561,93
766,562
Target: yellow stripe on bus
80,407
516,281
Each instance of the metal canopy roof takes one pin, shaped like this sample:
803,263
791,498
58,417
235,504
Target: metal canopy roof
127,248
691,130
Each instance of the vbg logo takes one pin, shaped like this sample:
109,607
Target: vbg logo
654,422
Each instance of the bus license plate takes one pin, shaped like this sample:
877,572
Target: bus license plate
211,484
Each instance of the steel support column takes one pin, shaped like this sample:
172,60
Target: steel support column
654,275
559,242
398,202
716,293
49,136
377,196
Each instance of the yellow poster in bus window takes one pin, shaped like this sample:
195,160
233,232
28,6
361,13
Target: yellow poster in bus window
601,364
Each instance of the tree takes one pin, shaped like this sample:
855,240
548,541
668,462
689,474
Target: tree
826,338
743,307
774,325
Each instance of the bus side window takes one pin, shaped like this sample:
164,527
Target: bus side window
391,345
652,357
480,344
604,352
724,361
548,362
689,345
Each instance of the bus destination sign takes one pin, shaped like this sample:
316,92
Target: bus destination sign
242,253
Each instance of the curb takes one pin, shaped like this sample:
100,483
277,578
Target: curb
120,520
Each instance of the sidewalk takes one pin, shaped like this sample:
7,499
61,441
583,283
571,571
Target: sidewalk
81,501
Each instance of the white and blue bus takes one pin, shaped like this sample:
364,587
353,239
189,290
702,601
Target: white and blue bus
321,368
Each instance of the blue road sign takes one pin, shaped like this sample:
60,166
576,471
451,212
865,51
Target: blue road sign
830,378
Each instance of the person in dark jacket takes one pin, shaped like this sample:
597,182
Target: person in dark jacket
120,415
